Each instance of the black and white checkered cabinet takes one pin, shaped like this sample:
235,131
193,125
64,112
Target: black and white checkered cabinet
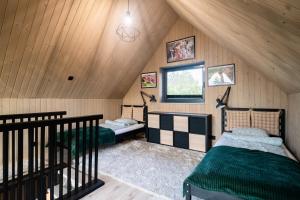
183,130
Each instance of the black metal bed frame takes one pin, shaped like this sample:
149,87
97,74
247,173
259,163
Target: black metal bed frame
207,194
41,174
130,134
281,117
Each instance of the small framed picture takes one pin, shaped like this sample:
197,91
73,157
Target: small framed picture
221,75
149,80
182,49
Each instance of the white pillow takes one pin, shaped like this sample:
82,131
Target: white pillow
275,141
115,123
127,121
256,132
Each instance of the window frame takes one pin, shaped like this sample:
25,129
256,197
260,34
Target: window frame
182,98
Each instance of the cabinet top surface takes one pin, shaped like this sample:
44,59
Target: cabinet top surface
179,114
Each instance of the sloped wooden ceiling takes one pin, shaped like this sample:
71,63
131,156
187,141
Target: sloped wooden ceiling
266,33
42,42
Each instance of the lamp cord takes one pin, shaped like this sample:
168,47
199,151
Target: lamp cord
144,101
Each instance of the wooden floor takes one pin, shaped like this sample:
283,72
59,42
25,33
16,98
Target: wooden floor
116,190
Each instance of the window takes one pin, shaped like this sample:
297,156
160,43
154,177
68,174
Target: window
183,83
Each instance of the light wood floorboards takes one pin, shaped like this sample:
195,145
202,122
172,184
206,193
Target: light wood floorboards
116,190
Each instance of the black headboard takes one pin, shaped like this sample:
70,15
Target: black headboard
145,110
281,117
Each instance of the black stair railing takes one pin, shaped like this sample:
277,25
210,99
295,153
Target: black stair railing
15,118
44,164
23,117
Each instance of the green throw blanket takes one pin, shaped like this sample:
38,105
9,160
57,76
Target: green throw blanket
247,174
106,136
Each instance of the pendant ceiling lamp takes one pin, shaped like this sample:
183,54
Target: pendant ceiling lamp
126,30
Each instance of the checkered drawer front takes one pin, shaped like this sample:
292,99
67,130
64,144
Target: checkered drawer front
166,137
153,121
197,142
183,131
181,123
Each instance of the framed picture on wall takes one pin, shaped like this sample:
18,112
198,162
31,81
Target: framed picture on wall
182,49
221,75
149,80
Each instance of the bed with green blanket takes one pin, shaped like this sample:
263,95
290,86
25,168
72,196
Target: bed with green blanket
110,132
245,174
106,137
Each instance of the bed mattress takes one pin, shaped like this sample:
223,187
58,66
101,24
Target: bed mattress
122,129
129,128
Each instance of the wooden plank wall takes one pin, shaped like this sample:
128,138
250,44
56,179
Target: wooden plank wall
293,135
264,33
110,108
251,90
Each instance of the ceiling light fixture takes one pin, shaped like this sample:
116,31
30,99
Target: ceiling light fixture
126,30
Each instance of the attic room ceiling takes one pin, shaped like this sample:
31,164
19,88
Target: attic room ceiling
43,42
265,33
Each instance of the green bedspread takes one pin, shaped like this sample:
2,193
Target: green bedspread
247,174
106,137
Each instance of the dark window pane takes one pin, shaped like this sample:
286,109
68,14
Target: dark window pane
183,83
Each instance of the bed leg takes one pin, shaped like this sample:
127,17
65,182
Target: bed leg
188,195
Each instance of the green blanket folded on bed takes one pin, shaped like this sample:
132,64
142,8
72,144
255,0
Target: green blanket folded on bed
106,136
247,174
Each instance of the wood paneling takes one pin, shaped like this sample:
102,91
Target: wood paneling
264,33
111,109
42,42
252,89
293,125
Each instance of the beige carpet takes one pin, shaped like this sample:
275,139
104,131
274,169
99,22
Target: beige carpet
157,168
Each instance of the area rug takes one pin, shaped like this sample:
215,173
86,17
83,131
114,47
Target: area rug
157,168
